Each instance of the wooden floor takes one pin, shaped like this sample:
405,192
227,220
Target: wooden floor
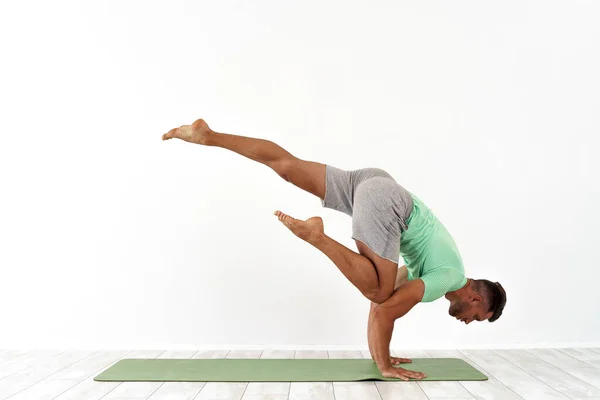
535,374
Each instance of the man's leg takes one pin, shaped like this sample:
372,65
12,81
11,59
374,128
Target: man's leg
307,175
365,271
374,277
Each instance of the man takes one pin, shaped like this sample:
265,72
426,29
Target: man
384,214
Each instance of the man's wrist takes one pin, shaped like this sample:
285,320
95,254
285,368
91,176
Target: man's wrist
383,366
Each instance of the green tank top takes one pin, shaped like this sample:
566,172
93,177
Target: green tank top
430,253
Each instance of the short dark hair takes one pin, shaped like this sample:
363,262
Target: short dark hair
495,296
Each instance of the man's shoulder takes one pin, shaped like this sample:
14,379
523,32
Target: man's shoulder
444,271
440,281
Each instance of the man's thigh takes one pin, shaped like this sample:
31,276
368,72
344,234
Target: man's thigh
386,269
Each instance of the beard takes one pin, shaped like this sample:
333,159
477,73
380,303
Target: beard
457,309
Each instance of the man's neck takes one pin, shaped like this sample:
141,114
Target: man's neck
458,293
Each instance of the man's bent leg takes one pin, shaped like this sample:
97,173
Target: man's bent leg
386,270
359,269
376,284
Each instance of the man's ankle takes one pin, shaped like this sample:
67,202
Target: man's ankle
317,239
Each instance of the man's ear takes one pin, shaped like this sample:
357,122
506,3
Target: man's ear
475,297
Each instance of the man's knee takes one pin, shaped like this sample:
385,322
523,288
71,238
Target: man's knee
379,296
284,167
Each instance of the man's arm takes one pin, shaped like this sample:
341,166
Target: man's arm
401,276
383,316
401,279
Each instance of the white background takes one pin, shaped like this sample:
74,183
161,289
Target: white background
111,237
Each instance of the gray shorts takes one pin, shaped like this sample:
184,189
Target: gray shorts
378,205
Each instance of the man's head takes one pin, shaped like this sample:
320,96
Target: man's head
478,300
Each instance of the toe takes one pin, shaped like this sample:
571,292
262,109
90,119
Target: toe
170,134
280,215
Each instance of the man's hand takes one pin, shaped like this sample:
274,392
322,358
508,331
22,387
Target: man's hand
401,373
397,360
382,317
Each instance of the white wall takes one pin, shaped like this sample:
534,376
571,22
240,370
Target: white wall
111,237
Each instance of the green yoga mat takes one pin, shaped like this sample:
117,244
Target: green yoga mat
280,370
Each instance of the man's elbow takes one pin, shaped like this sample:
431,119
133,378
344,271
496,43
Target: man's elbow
401,302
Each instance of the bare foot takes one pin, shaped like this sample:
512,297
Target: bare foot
198,132
308,230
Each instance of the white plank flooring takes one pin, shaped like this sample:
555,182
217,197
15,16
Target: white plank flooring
536,374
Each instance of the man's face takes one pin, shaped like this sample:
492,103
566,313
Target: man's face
469,311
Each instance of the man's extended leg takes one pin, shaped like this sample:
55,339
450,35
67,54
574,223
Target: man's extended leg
307,175
371,274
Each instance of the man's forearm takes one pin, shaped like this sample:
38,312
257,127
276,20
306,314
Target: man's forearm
369,338
383,316
379,336
401,278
